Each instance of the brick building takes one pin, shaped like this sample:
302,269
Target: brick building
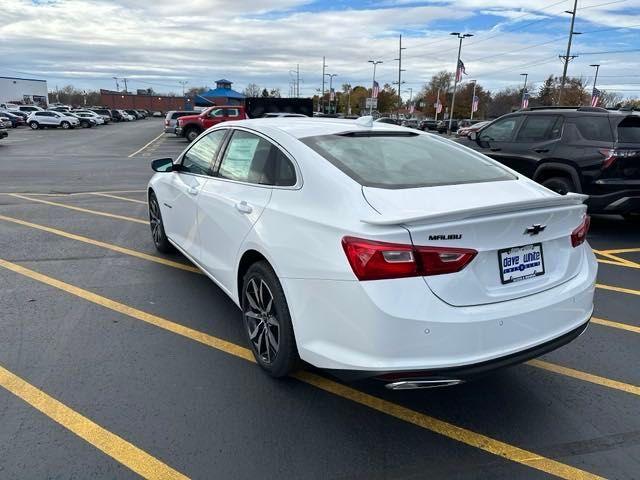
127,101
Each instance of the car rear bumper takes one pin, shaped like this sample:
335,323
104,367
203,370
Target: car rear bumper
624,199
385,326
178,131
169,129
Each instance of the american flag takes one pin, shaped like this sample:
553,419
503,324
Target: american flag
474,104
411,108
460,71
525,100
375,90
595,97
438,106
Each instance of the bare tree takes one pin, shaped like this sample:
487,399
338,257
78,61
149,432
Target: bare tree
252,90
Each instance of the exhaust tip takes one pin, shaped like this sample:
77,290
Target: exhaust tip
419,384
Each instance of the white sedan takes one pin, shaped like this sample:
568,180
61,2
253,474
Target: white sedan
376,251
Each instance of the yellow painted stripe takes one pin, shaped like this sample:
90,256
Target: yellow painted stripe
116,447
84,210
621,326
117,197
587,377
70,194
624,261
621,250
419,419
108,246
141,149
630,291
617,264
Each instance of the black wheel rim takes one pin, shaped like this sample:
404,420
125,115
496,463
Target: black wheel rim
261,320
155,220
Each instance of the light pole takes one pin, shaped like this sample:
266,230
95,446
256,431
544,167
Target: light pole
330,75
183,83
321,103
473,97
117,85
568,57
455,84
597,65
373,84
437,104
524,89
348,99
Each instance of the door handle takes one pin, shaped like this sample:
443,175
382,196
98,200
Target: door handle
244,207
541,150
192,191
495,149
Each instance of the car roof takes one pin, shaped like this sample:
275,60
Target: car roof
306,127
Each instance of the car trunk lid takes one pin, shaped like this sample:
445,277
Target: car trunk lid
503,216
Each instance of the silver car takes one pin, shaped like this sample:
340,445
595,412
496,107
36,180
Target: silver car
171,120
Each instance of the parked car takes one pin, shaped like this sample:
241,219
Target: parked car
16,120
49,119
410,123
428,125
86,117
104,113
474,127
143,113
5,121
98,119
389,120
157,114
134,114
3,132
60,109
443,126
117,116
582,149
191,126
282,115
28,109
326,224
171,119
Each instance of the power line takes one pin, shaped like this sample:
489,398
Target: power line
601,4
611,51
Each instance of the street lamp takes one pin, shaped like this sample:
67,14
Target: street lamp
330,75
455,84
373,84
473,97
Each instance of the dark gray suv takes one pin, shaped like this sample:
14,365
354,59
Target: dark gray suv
588,150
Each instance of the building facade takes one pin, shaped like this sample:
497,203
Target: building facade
24,90
130,101
223,94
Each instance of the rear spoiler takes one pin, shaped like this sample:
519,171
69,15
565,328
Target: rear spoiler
570,199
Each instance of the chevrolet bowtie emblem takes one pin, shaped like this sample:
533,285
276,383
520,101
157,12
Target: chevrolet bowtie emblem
535,229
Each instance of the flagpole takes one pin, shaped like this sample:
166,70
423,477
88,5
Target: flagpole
455,85
524,89
473,98
437,104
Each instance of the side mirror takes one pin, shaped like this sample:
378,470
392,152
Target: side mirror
473,136
162,165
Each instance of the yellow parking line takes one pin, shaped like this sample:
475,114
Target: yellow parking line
117,197
108,246
141,149
620,260
587,377
617,264
419,419
621,326
116,447
84,210
629,291
621,250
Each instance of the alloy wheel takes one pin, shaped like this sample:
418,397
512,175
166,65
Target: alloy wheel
261,320
155,220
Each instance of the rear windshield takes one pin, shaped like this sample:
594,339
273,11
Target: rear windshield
629,130
405,161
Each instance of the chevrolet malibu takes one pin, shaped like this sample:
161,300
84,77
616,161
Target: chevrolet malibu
372,250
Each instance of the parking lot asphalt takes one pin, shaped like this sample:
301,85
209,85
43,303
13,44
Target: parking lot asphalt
120,362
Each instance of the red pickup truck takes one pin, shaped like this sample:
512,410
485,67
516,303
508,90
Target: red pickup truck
191,126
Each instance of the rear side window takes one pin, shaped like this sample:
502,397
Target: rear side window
629,130
199,157
247,159
405,161
540,127
594,128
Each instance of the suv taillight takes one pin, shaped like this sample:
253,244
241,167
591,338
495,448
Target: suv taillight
579,235
371,260
612,154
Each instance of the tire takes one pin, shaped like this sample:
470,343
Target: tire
65,125
34,125
158,234
561,185
191,134
85,124
268,322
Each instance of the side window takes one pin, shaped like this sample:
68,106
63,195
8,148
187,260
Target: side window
199,157
285,171
248,159
41,114
217,112
232,112
540,127
500,131
594,128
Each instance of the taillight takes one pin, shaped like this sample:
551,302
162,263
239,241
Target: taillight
612,154
371,260
579,235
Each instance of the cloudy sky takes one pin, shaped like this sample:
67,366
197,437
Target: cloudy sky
158,43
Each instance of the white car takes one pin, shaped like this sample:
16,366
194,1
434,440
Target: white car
88,114
126,116
47,118
375,250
